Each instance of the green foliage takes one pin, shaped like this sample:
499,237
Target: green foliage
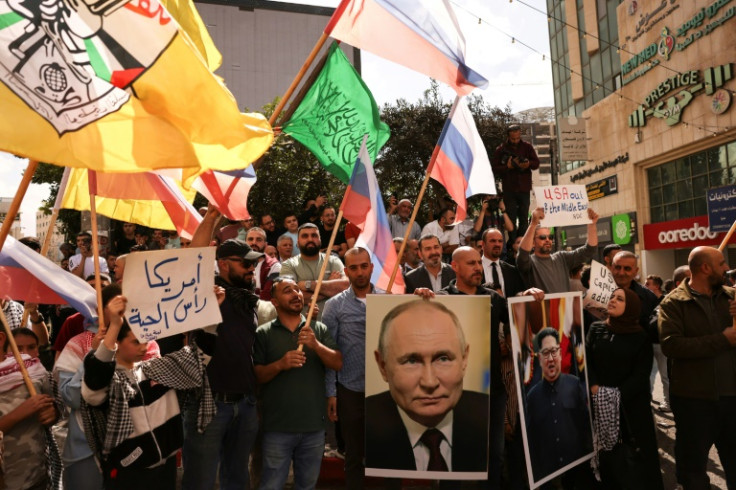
70,220
288,174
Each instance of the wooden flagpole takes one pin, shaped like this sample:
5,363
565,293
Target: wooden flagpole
92,181
289,91
412,219
16,354
15,204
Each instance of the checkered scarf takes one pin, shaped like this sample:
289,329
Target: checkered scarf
606,427
110,424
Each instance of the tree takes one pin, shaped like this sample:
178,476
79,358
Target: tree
70,220
415,129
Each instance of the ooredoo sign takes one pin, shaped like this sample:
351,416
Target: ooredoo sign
682,233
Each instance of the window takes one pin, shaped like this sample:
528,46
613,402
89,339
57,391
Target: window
677,189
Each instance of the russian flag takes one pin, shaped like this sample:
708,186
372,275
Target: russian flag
364,208
461,162
423,35
28,276
147,198
228,191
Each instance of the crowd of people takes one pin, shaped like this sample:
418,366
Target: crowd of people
244,400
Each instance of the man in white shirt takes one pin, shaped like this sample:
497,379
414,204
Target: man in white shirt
80,265
448,234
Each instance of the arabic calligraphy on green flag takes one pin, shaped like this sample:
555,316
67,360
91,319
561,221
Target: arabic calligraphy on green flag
335,114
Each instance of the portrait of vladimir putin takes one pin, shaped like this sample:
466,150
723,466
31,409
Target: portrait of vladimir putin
426,421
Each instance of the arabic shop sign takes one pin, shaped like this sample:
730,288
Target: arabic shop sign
701,24
649,20
599,168
697,20
668,99
721,208
573,139
602,188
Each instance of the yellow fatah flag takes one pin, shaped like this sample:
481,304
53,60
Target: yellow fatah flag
116,86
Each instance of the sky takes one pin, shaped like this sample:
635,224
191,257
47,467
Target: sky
518,75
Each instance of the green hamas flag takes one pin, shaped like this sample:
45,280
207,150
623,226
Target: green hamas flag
335,114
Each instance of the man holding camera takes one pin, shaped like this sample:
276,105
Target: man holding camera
79,265
512,163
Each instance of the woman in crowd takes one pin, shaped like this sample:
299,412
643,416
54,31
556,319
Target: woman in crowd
619,359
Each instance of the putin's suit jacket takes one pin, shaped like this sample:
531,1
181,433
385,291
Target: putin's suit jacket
387,441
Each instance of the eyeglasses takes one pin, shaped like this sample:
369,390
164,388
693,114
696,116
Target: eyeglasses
549,353
546,237
267,223
247,264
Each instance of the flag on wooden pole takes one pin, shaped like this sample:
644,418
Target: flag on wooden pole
364,208
335,114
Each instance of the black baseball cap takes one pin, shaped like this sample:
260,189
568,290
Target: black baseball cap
237,248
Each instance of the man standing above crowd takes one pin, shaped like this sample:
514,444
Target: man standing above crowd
549,271
344,316
228,439
433,273
697,336
305,269
504,277
398,219
293,389
512,163
448,233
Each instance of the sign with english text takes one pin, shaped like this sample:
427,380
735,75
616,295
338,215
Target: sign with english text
170,291
601,285
563,204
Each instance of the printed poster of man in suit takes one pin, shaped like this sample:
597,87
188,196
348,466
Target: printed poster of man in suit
547,341
427,404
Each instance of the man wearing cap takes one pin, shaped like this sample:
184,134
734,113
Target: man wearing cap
512,163
228,439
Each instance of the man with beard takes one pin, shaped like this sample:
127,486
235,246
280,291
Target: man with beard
549,271
557,420
466,262
344,316
697,336
512,163
398,219
305,269
433,273
503,277
327,225
267,268
293,389
228,439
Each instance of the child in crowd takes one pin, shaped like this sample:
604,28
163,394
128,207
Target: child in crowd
24,421
133,410
27,341
81,470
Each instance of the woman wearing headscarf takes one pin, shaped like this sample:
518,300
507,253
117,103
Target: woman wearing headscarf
619,360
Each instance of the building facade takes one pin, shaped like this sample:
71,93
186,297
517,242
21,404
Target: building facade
661,129
15,229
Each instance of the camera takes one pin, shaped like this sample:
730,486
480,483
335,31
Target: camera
516,160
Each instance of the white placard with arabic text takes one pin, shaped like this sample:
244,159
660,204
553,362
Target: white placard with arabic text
601,284
170,291
573,139
564,205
